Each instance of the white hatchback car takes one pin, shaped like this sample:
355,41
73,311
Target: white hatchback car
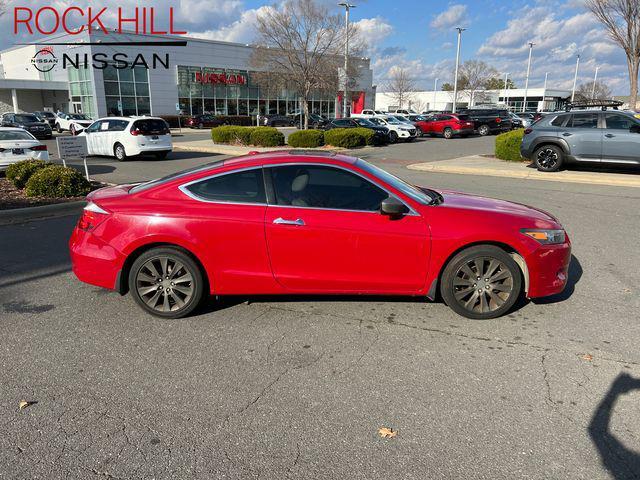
16,144
124,137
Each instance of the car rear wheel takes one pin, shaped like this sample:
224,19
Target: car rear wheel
166,282
447,133
200,126
58,129
393,137
481,282
120,152
483,130
548,158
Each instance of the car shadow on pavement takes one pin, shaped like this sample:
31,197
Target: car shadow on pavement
597,168
574,276
619,460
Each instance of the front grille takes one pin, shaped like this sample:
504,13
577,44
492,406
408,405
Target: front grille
412,131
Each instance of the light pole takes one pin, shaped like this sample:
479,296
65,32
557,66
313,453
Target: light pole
504,96
593,88
526,82
575,79
544,91
345,103
455,79
435,88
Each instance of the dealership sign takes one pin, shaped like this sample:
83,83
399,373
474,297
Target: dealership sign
220,78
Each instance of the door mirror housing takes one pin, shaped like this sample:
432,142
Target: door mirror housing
393,207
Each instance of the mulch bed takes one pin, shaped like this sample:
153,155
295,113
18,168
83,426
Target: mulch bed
12,197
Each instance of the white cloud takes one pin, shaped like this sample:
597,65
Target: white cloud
454,16
373,30
242,30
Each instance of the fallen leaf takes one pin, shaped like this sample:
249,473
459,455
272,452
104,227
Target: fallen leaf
386,432
23,404
587,356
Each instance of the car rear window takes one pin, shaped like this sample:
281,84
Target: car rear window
14,135
151,126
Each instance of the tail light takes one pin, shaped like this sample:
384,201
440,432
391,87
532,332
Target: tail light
498,120
2,150
135,131
92,216
528,130
39,148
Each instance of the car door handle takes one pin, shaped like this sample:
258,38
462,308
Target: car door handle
567,134
281,221
609,135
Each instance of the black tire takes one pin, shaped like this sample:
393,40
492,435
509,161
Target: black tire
164,302
447,133
58,129
119,152
160,155
484,130
393,137
548,158
200,126
489,297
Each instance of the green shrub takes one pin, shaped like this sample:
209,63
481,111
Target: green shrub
344,138
306,139
266,137
57,181
508,145
232,134
368,135
20,172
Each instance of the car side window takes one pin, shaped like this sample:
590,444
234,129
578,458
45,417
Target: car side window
618,122
584,120
559,121
444,117
117,125
342,123
238,187
94,127
325,187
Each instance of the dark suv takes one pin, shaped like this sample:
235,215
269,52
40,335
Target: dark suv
583,136
381,134
29,122
488,120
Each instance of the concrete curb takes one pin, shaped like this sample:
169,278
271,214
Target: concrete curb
590,178
28,214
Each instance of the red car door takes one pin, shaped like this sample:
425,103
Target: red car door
325,234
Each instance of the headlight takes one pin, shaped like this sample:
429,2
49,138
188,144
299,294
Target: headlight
546,237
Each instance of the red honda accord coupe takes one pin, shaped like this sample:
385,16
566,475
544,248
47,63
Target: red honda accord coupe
313,223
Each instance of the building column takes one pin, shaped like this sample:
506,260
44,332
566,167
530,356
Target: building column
14,99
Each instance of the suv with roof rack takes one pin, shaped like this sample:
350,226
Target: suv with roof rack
583,136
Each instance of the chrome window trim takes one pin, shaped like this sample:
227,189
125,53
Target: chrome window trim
183,188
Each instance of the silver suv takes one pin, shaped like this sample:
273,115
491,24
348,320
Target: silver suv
583,136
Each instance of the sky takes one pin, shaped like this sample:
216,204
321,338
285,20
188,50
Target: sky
420,35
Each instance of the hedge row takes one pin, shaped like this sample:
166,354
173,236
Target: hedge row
40,179
508,145
258,136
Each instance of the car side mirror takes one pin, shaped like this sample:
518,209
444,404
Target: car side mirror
393,207
635,128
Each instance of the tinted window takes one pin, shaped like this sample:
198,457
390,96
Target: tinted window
240,187
584,120
151,126
14,135
464,118
174,176
26,118
342,123
618,122
445,117
559,120
117,125
325,187
363,122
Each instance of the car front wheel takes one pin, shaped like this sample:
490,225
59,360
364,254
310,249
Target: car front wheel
548,158
120,152
166,282
481,282
483,130
393,137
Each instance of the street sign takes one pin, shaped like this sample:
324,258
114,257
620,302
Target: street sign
73,147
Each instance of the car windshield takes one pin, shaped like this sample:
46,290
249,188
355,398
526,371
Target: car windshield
26,118
409,190
392,121
78,116
46,114
14,135
402,119
173,176
364,122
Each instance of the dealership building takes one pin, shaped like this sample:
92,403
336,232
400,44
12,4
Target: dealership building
201,76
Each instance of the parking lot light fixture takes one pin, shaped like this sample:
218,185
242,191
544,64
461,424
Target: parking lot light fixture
435,88
575,79
504,95
526,82
544,90
345,103
455,79
593,87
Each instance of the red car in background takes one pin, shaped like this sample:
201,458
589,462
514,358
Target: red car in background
448,125
313,223
202,121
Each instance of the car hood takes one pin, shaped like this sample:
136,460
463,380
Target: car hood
84,123
467,201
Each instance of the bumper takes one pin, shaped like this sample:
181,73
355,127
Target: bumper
93,261
41,133
548,270
38,155
463,131
526,152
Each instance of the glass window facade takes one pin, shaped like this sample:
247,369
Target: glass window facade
239,98
127,91
81,91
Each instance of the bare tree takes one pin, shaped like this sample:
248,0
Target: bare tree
473,77
621,20
601,92
299,46
400,87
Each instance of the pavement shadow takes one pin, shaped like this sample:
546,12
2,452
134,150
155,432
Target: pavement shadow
597,168
574,276
622,462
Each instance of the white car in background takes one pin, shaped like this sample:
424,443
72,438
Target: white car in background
16,144
124,137
367,113
397,129
72,122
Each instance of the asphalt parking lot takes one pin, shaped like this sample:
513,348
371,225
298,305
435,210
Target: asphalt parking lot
297,387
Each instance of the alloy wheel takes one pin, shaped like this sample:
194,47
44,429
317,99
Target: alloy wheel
483,285
165,284
547,158
483,130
